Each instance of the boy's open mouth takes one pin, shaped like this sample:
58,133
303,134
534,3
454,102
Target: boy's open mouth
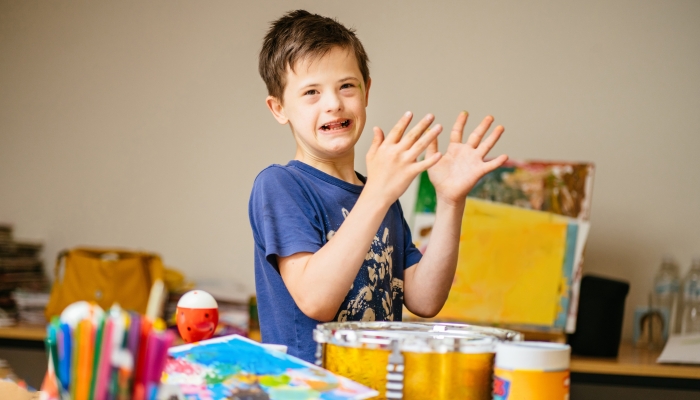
336,125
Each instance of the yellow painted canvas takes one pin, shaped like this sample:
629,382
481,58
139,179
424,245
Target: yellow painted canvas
510,266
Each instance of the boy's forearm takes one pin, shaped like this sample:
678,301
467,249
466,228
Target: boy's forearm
323,283
427,287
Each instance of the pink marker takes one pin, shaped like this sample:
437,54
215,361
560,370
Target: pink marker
101,384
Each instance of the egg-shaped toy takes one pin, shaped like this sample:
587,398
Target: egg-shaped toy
76,312
197,316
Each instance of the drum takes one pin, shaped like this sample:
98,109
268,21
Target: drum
413,361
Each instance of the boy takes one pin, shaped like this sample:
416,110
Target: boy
330,244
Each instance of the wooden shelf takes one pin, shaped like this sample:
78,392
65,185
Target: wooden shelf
635,362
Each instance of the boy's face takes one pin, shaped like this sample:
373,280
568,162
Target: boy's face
324,102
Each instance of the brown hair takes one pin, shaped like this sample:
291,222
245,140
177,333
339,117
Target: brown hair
299,35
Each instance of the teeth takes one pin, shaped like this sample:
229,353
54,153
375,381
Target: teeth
336,125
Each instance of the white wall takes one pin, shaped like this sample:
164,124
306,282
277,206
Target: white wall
142,124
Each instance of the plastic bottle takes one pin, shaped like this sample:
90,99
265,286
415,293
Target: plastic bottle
665,296
690,317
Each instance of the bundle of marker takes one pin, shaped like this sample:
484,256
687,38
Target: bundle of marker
105,356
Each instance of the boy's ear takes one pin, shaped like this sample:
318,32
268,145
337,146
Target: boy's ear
369,83
277,109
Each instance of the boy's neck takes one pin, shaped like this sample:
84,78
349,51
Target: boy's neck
343,169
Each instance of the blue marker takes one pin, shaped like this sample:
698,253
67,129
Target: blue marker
65,359
52,347
151,391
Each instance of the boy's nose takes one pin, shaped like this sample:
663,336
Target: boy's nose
333,102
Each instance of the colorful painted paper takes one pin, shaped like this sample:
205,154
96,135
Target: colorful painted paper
522,265
510,266
233,367
558,187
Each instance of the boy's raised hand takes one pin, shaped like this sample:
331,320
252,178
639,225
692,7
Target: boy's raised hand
392,160
462,165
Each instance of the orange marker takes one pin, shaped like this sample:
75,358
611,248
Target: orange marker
86,343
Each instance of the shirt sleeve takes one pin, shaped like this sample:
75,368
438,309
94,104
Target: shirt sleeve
283,220
411,253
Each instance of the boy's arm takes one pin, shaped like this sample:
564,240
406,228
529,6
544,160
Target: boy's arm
320,281
427,284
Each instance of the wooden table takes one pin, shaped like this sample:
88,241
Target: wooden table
634,367
24,332
23,336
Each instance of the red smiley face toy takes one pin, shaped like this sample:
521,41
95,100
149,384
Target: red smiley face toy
197,316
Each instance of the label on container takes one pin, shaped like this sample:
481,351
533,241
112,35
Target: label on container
692,291
530,385
666,288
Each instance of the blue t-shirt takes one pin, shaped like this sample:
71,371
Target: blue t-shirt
296,208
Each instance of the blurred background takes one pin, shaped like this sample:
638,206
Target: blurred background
142,124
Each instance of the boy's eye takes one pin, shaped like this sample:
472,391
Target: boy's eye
347,85
310,92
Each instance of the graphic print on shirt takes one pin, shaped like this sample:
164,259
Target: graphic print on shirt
372,295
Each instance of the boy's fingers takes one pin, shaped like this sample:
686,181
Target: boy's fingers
426,140
490,141
428,162
397,131
496,162
478,133
458,128
376,141
420,129
432,148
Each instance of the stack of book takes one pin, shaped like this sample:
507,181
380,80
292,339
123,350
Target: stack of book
5,236
31,306
20,268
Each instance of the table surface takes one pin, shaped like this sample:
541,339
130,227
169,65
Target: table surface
23,332
630,360
635,362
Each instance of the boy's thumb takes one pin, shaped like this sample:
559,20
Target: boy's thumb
376,140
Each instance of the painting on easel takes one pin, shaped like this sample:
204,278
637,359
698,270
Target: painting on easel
521,246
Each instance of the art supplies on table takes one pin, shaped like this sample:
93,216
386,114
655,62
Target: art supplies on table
236,367
197,316
97,355
532,370
413,361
